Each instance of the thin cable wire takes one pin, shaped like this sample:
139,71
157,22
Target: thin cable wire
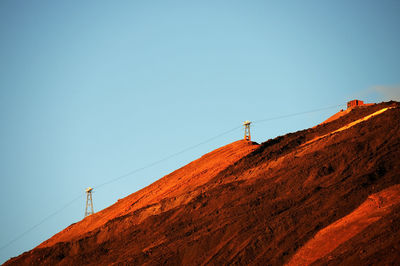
296,114
166,158
41,222
114,180
206,141
157,162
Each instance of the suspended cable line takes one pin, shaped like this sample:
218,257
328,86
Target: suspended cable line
116,179
296,114
41,222
157,162
166,158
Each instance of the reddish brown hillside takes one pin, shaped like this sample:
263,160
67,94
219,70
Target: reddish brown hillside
326,195
170,191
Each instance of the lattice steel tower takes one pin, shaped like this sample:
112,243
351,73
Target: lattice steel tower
89,202
246,125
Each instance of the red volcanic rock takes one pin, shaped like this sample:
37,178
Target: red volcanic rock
325,195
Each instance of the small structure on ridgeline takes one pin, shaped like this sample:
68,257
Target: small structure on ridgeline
246,125
357,103
89,202
354,103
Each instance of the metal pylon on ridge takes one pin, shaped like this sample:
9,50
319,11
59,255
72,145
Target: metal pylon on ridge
89,202
246,125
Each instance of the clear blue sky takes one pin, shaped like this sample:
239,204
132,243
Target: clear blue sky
90,90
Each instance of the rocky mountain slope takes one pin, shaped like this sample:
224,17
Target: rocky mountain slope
325,195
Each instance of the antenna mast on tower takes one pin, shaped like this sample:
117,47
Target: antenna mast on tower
246,125
89,202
